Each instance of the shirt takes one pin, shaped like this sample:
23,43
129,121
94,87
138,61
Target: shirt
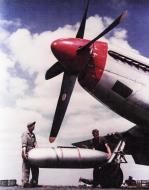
99,144
28,140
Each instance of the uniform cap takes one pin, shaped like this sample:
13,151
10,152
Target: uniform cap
31,124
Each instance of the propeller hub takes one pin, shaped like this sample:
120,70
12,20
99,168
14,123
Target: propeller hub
60,49
65,50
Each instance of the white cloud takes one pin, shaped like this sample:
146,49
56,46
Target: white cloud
5,23
94,26
5,63
3,35
17,86
120,34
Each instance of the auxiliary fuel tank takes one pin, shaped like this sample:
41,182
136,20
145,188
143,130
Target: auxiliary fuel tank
66,157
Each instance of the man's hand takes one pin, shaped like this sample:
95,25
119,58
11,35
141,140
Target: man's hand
108,155
108,150
24,154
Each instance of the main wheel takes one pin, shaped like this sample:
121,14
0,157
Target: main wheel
108,176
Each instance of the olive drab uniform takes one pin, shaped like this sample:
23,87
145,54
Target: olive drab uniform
99,144
29,142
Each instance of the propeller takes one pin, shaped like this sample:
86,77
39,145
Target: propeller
108,29
69,78
80,33
67,84
64,97
55,70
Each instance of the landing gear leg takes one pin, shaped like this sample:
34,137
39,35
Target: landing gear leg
110,175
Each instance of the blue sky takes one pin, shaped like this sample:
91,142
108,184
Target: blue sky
27,28
40,15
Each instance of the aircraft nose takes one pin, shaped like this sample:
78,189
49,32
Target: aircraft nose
64,50
56,46
59,49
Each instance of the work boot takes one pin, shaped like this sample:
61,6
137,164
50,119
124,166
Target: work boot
33,183
94,186
26,185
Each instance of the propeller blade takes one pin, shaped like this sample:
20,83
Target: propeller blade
80,33
55,70
64,97
108,29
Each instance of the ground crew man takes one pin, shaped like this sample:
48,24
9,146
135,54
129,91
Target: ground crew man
97,143
29,142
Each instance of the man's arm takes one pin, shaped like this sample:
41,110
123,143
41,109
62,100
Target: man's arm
24,153
108,150
24,146
35,143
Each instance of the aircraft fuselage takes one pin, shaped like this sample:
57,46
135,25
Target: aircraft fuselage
122,87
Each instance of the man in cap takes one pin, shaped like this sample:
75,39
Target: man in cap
29,142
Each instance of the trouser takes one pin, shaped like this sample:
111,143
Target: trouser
94,182
95,176
26,168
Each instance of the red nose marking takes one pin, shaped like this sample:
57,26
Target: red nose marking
65,50
56,47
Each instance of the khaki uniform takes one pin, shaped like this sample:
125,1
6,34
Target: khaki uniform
29,142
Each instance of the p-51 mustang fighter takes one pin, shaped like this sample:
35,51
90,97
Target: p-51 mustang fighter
119,80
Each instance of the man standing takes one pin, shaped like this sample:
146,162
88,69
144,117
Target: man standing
29,142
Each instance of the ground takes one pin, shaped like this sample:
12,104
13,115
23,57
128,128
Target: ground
56,187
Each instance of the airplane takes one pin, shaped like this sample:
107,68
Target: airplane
117,79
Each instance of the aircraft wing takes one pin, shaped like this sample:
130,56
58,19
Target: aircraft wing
137,143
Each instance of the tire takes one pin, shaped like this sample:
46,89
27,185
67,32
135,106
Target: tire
108,176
